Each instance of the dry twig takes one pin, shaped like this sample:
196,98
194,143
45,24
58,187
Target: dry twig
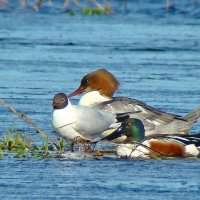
101,7
28,121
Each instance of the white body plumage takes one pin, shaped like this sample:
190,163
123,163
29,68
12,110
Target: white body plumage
80,121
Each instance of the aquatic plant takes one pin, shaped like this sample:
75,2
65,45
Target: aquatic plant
87,7
17,144
90,7
13,142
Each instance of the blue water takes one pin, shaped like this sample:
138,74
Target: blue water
99,179
155,56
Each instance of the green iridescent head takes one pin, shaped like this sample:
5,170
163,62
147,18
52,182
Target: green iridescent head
133,129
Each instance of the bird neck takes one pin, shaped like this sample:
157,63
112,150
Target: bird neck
64,109
91,98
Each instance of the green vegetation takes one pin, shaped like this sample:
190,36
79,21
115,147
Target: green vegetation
20,145
15,144
86,7
95,11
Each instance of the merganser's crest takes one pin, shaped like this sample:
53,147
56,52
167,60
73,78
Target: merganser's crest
100,86
100,80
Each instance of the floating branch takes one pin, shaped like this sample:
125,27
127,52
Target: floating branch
28,121
101,7
66,4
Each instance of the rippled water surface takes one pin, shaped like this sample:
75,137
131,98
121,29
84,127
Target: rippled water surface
154,55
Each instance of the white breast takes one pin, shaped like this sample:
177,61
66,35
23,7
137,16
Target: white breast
64,122
91,98
133,150
82,121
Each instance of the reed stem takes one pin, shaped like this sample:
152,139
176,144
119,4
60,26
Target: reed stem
28,121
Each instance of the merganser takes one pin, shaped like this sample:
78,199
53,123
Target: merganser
137,145
75,121
100,86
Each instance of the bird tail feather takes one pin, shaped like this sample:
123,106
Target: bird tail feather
193,116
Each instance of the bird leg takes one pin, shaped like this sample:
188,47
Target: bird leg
72,147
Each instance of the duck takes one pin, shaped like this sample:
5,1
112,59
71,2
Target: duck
99,87
75,121
134,143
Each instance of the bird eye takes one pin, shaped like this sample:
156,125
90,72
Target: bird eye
129,124
84,81
63,99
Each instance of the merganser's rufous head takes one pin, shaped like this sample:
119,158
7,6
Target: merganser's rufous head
100,80
60,101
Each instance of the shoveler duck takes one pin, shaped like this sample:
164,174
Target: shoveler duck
100,86
76,121
136,145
